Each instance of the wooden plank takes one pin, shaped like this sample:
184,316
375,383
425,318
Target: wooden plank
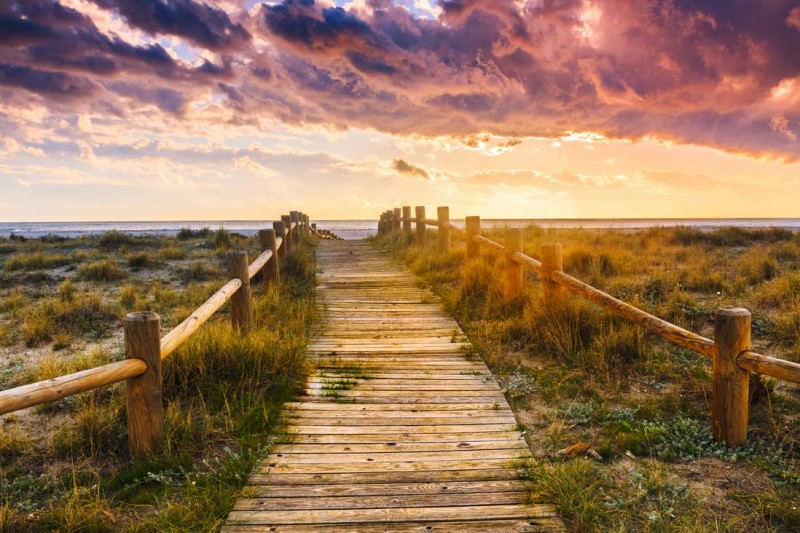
423,476
538,524
387,467
383,489
391,515
397,447
353,457
380,502
389,437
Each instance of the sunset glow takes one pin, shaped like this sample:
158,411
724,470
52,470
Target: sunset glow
234,109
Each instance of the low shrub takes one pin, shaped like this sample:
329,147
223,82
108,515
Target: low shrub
105,270
35,261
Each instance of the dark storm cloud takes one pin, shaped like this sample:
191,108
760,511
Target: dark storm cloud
202,24
722,74
404,167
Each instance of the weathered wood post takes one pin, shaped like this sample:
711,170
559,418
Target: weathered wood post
289,241
551,262
143,393
271,270
396,220
407,220
422,231
513,285
242,300
301,230
729,383
473,229
280,231
444,228
294,217
382,225
307,225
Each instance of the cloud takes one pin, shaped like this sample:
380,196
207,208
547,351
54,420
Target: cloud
404,167
717,74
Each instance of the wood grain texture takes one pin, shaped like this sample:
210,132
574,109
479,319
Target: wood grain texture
729,383
242,300
400,428
143,393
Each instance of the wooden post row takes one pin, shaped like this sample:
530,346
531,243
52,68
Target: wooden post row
272,271
729,383
294,218
421,229
473,229
280,231
288,241
513,285
444,231
143,393
241,301
396,219
407,219
551,262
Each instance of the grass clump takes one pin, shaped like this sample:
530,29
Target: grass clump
171,253
141,260
105,270
84,315
112,240
185,234
35,261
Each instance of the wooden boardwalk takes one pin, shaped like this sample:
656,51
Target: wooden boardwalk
400,429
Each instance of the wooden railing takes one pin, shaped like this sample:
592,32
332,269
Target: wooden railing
145,348
730,349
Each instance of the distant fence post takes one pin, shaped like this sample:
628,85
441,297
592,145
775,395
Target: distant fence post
729,383
382,224
552,261
241,301
289,241
280,231
407,220
444,230
397,216
422,231
143,393
473,229
294,218
513,269
271,269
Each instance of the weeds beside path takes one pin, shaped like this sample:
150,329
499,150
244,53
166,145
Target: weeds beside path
576,375
223,391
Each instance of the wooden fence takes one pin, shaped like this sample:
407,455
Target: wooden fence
145,348
730,349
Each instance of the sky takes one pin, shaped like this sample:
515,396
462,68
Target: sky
236,109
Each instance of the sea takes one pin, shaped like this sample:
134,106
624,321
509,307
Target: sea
359,229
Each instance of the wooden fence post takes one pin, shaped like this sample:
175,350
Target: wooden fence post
382,225
473,229
444,229
551,262
513,269
289,241
407,220
143,393
241,301
307,225
271,270
301,230
280,231
729,383
294,218
422,231
397,216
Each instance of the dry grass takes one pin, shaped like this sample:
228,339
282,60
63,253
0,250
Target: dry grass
222,391
576,373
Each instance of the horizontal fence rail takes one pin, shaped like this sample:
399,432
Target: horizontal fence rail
729,350
145,348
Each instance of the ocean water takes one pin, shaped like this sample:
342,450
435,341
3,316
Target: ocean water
359,229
